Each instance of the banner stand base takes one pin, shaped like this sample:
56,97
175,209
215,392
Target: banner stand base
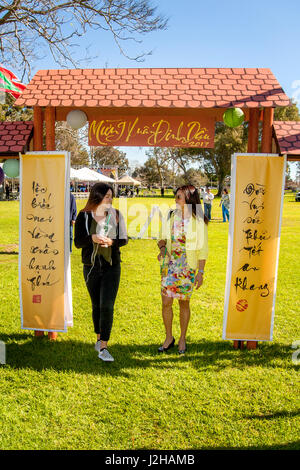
240,344
38,334
51,334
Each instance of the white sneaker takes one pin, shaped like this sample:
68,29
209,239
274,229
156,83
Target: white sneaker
105,356
97,346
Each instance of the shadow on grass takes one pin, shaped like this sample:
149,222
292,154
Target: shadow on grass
276,415
23,351
295,445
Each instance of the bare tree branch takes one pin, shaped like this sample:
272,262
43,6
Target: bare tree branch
28,26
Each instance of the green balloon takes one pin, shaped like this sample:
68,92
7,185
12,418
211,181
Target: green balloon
11,168
233,117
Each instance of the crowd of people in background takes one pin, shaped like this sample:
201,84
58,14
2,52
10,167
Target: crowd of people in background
7,193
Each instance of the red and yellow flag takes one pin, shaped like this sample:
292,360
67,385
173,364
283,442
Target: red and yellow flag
9,83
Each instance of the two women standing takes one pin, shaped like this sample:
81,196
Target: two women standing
100,231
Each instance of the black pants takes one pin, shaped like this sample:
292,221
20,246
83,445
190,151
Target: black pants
102,282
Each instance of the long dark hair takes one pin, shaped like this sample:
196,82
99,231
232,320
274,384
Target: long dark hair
192,198
97,194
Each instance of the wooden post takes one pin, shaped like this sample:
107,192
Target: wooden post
52,335
37,128
253,130
50,128
38,334
251,344
266,143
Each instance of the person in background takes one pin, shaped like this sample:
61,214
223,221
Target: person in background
100,231
7,191
225,202
162,191
73,215
207,200
183,252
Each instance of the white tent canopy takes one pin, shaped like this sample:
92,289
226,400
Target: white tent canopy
86,174
126,179
74,174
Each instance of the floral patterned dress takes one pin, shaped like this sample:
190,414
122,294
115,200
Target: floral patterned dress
177,278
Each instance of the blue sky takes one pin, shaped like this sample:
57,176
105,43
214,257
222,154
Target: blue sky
215,33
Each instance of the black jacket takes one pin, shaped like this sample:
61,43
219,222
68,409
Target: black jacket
83,239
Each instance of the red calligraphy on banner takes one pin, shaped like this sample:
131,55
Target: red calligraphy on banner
151,131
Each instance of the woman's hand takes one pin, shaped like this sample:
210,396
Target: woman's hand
101,240
107,241
198,280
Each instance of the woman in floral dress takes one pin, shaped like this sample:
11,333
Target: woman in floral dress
183,253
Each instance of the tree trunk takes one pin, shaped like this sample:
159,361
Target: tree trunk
220,185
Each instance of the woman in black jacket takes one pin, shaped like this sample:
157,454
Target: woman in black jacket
100,231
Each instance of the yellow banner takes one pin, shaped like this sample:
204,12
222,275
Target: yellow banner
257,186
44,241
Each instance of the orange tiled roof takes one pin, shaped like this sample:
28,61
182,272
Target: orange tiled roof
15,136
166,88
288,136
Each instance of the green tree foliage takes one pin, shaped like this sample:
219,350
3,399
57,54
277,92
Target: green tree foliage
192,176
183,159
69,140
65,138
196,166
217,161
109,156
149,172
170,167
9,112
158,159
287,113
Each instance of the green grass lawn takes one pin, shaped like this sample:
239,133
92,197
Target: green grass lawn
59,395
